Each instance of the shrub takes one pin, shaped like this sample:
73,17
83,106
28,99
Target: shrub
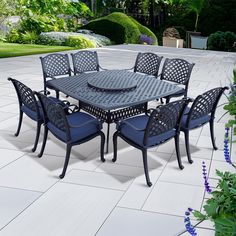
221,41
53,38
29,37
61,38
120,28
80,42
13,36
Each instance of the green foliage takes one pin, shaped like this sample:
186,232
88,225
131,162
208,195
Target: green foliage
8,8
29,37
221,208
218,15
196,6
13,37
231,106
221,41
80,42
120,28
45,16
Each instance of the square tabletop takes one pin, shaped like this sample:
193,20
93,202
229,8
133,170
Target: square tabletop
131,89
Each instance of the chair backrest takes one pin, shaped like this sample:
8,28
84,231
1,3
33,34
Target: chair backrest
165,118
25,96
55,64
177,70
84,61
147,63
205,104
54,113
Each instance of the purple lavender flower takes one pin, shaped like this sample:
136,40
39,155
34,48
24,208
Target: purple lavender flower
204,173
189,227
226,146
145,39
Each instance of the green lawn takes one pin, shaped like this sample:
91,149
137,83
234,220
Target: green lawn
15,49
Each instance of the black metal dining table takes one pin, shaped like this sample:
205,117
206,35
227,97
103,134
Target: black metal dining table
113,95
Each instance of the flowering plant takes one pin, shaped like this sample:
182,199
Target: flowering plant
146,39
221,207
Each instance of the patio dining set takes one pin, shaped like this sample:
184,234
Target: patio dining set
116,96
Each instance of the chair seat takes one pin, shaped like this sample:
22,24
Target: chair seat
177,94
77,133
136,136
194,123
33,114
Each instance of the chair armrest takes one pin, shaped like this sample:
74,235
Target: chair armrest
95,121
130,125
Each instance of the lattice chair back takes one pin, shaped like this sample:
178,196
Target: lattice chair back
147,63
55,64
84,61
54,114
26,96
177,71
165,118
205,104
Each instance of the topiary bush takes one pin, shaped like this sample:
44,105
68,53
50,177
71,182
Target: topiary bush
120,28
80,42
221,41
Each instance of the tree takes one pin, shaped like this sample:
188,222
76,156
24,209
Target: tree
196,6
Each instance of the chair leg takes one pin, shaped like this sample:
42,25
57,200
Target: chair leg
212,134
145,165
186,136
57,94
162,102
178,152
44,141
167,100
108,135
37,137
102,147
68,149
19,124
115,147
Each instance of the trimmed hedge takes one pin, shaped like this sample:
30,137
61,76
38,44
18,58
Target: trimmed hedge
120,28
221,41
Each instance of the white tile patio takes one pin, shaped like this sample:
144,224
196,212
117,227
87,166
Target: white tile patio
108,198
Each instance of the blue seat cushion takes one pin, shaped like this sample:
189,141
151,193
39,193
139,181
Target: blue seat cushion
194,123
137,136
78,133
33,114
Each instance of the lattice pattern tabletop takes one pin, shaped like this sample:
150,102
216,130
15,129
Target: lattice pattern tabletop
148,88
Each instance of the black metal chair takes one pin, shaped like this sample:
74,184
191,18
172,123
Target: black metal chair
28,105
177,71
85,61
72,128
54,65
147,63
201,112
146,131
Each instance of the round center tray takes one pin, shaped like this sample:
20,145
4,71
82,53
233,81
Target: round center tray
112,81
